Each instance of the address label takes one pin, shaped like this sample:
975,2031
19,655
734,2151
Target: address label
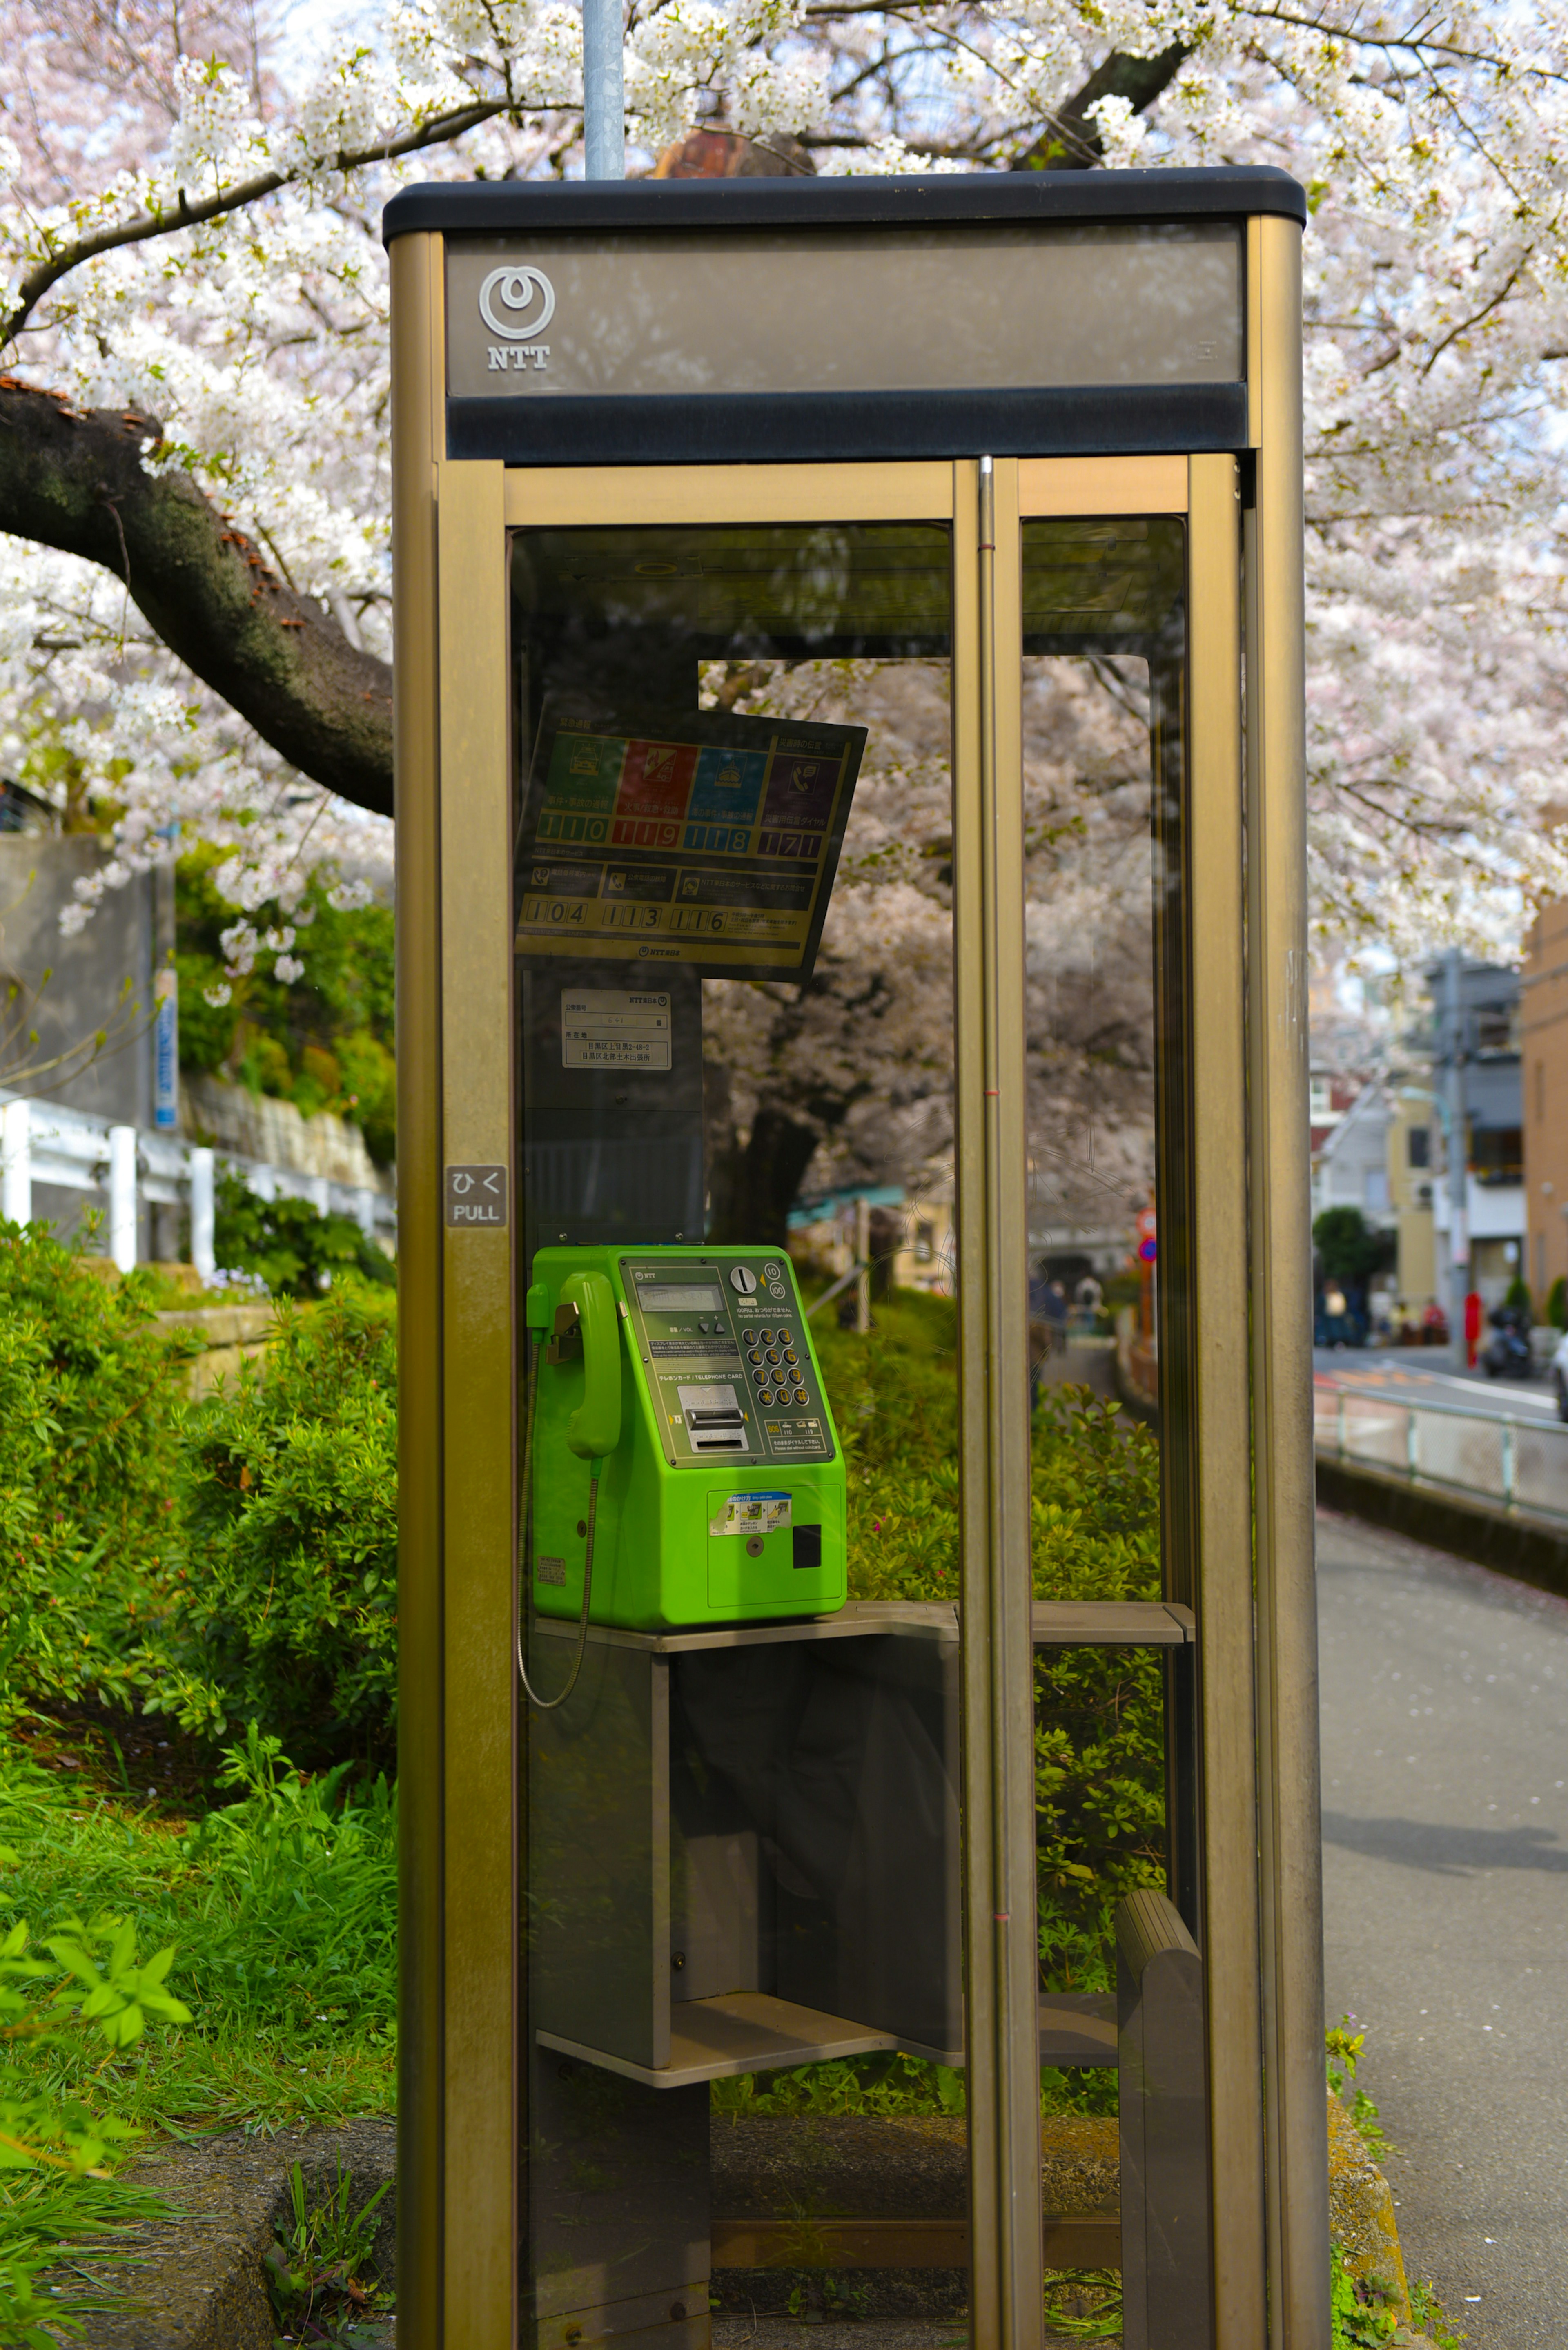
615,1028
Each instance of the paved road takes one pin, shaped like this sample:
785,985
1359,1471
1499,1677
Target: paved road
1445,1759
1417,1377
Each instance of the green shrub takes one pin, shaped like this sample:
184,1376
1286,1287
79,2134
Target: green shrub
91,1400
289,1244
323,1041
1557,1304
284,1608
1100,1723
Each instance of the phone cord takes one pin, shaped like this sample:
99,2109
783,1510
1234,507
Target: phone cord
524,1558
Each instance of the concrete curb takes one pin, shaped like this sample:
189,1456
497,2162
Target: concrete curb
195,2281
1531,1549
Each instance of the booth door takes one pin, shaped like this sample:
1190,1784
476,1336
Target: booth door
1028,997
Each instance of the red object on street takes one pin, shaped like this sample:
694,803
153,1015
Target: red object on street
1473,1327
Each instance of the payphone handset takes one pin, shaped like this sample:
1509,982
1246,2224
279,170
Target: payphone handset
684,1467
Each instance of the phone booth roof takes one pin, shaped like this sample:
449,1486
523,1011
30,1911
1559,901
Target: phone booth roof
661,321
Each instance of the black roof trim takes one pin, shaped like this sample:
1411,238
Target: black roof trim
494,207
756,428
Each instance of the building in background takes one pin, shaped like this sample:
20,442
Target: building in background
1412,1155
1543,1045
1477,1199
1332,1093
1350,1166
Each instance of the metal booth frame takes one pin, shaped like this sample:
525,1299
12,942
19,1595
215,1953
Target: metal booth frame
1238,1542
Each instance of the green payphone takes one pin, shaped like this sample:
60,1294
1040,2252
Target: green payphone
707,1468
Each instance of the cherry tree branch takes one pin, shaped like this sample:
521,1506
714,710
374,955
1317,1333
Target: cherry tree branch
74,480
440,131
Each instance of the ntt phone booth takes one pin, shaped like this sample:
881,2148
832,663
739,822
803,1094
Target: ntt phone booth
849,667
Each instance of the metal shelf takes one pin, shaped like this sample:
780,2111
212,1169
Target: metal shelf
1057,1624
752,2031
739,2032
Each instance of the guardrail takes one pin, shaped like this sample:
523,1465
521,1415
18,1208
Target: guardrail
1510,1461
44,1142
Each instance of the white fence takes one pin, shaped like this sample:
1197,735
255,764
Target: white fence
1507,1459
42,1142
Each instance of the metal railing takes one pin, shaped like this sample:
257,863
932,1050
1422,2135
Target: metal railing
1509,1459
44,1142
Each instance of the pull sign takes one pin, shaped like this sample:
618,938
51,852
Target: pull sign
476,1198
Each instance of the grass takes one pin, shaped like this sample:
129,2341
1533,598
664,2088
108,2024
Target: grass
281,1907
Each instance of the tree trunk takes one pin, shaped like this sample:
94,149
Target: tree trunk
758,1184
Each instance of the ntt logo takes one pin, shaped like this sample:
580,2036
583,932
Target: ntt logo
517,302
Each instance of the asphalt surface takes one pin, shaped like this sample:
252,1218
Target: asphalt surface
1416,1374
1445,1759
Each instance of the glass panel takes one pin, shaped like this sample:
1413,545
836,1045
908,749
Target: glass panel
1103,727
846,310
741,1880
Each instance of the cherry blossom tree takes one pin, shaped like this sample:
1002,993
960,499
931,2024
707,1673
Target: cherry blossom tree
195,605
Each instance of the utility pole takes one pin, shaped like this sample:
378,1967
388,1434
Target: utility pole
604,90
1457,1150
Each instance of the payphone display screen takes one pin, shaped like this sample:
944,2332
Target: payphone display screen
706,837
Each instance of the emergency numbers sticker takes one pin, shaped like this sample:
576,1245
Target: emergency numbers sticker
614,1028
751,1513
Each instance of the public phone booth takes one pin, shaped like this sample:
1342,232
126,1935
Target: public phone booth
757,541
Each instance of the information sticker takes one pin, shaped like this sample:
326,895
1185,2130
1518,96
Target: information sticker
711,839
614,1028
751,1513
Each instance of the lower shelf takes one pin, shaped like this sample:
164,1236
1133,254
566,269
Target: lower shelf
740,2031
752,2031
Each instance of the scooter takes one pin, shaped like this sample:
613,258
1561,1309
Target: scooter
1507,1355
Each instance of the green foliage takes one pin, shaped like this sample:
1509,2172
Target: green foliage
889,2084
319,2268
46,2211
1361,2308
91,1401
1099,1736
1343,2054
1518,1296
285,1611
53,2144
323,1041
1085,2303
1557,1304
1429,2317
283,1906
289,1244
1350,1249
1099,1740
